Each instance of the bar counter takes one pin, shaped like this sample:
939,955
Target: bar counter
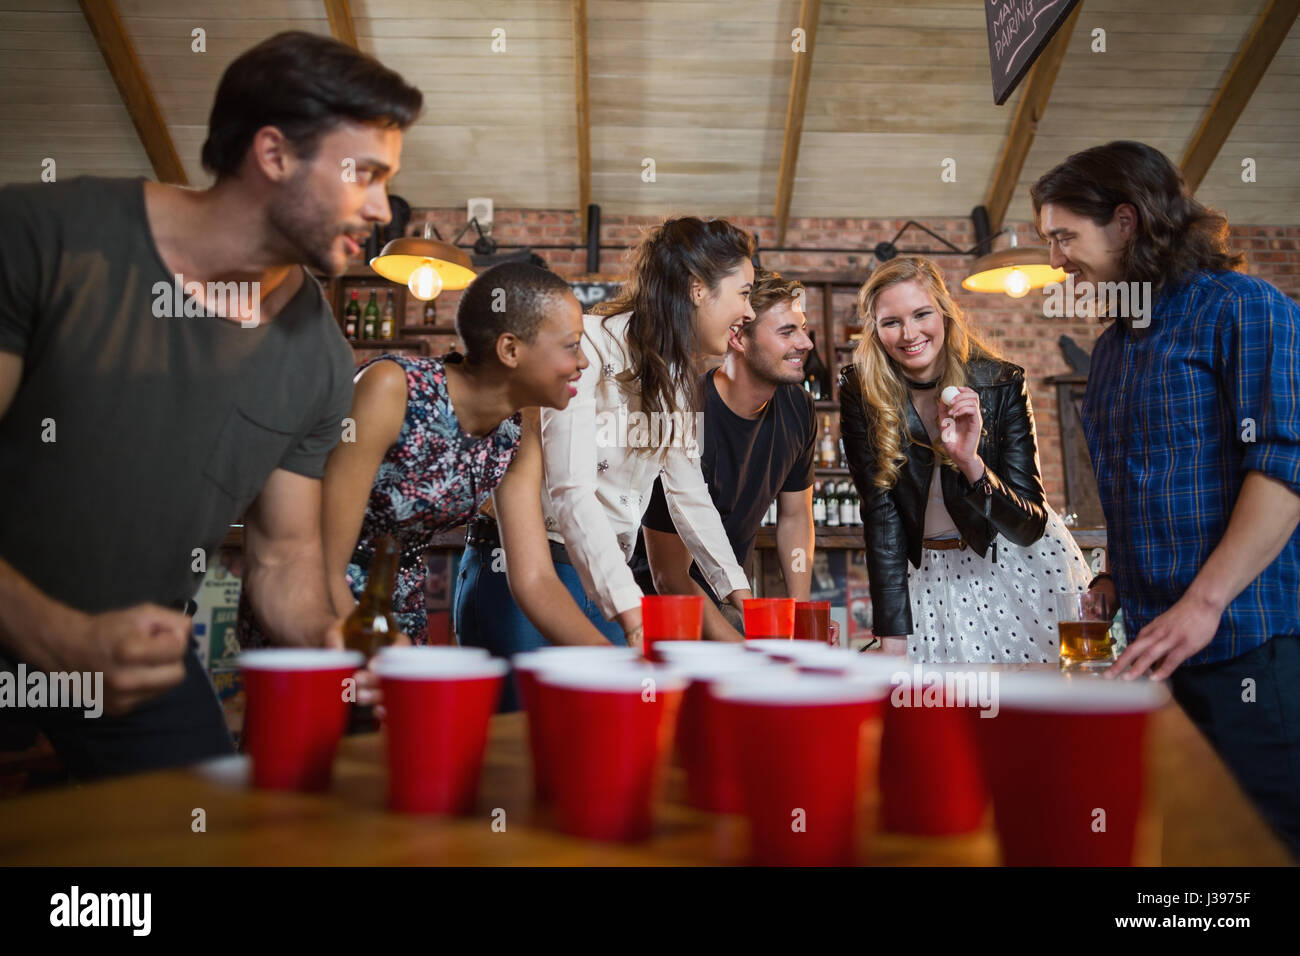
1195,815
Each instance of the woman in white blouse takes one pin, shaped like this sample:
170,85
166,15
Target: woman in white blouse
689,285
633,417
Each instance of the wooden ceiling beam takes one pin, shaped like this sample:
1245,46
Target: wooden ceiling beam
1253,59
1024,125
800,73
132,85
339,13
582,98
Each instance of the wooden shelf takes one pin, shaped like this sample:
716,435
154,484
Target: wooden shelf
824,405
833,472
840,539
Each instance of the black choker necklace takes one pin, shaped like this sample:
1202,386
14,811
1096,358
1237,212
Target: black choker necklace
921,386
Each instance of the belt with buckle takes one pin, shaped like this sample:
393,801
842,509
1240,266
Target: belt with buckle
483,533
944,544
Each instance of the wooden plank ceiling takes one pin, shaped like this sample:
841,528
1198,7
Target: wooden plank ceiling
701,87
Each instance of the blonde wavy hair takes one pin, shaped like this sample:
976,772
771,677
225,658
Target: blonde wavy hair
884,391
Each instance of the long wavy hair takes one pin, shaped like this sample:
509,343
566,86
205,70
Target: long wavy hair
884,389
661,340
1176,234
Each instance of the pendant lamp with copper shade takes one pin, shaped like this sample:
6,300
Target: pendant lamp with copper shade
1015,270
426,265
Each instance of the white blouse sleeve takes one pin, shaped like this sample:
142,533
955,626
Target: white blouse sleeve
698,523
569,451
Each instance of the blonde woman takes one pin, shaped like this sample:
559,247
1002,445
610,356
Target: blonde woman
964,554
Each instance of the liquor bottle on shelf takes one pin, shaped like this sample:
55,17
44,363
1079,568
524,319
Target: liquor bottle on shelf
827,456
352,318
372,625
388,322
370,323
430,313
848,505
816,376
819,505
832,505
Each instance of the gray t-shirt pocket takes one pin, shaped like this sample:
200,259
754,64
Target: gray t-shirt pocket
244,455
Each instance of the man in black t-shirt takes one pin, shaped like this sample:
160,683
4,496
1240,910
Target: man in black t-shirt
167,365
760,431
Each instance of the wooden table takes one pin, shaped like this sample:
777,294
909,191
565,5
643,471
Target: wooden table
1197,815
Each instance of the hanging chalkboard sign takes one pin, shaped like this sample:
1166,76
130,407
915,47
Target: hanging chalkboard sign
1019,30
589,293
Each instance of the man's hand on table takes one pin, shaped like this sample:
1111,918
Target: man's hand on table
1183,630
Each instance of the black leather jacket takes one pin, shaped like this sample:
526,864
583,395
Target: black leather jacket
1012,503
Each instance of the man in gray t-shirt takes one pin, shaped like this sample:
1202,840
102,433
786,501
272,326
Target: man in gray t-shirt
167,366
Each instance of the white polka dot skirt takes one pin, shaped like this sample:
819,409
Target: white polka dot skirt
967,609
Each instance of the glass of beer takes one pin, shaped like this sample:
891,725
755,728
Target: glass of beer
1083,621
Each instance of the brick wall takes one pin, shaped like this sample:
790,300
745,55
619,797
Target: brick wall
1016,327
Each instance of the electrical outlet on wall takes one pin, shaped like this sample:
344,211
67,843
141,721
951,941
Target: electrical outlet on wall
480,209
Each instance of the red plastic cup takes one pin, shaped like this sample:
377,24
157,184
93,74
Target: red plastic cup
769,618
931,778
812,621
801,754
297,707
799,652
670,617
606,734
672,652
704,744
439,705
1064,760
526,667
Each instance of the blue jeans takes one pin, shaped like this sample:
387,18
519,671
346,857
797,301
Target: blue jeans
484,613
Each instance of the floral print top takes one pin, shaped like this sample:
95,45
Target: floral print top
435,477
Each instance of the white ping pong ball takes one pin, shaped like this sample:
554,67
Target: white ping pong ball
950,394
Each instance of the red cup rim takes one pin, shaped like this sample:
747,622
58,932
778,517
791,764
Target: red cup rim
815,605
874,662
299,659
763,644
614,679
582,656
767,602
441,650
1053,692
693,648
713,668
439,667
806,650
799,690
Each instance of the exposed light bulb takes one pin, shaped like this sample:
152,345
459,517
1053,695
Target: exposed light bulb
1016,284
425,282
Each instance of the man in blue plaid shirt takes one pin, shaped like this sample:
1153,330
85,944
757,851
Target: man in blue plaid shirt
1192,417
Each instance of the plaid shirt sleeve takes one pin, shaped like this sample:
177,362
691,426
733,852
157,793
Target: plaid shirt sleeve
1259,359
